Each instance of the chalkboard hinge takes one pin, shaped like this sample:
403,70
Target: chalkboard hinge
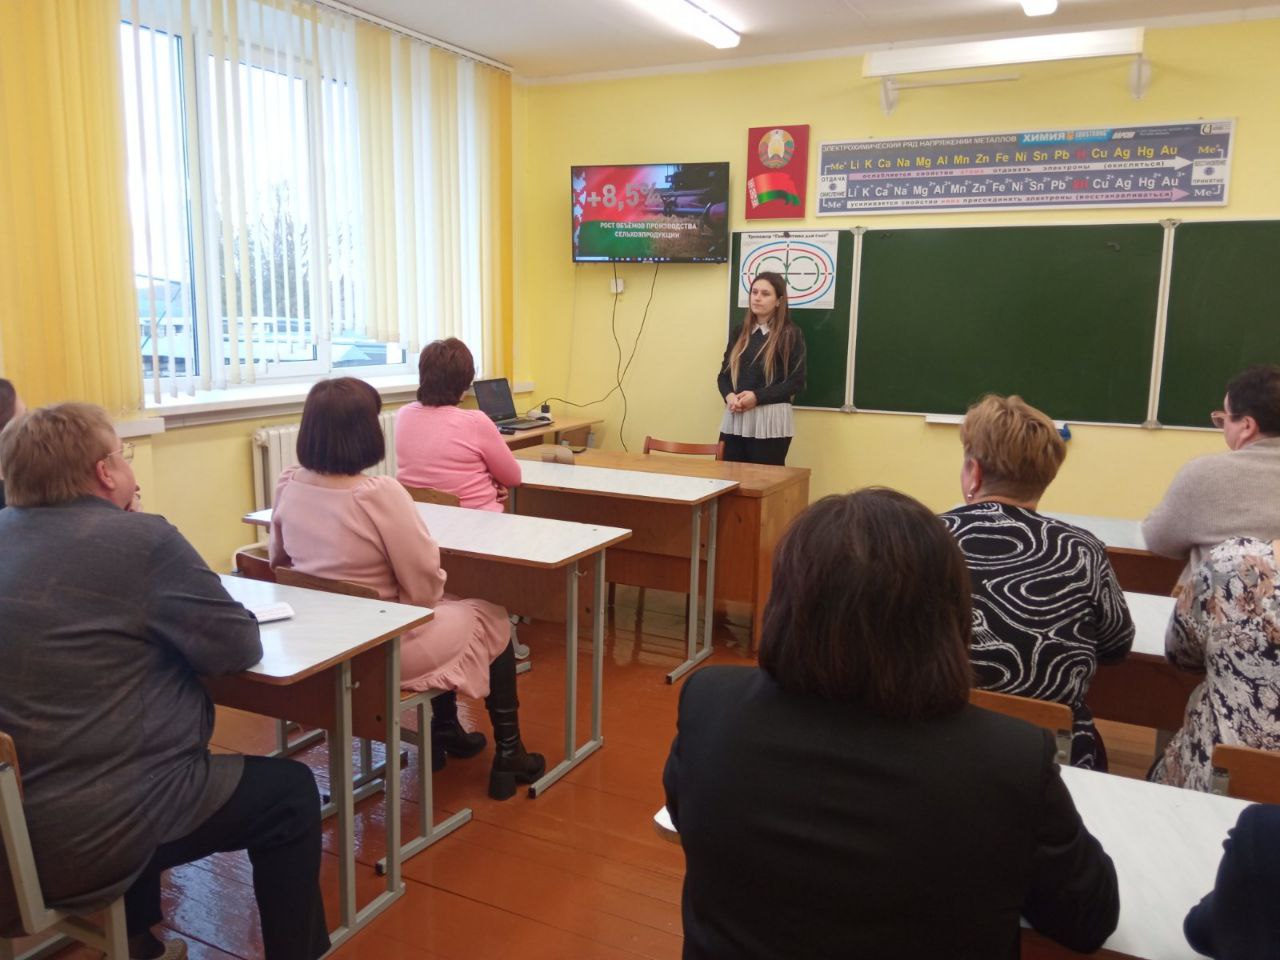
1151,425
848,408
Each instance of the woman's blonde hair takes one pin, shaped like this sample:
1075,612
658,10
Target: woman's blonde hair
50,456
779,340
1018,446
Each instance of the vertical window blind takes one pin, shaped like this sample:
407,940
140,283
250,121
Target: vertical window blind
310,194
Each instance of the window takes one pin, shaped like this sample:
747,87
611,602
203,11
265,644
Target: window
303,193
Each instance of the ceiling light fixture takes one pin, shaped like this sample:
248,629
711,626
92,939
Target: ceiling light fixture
1039,8
689,17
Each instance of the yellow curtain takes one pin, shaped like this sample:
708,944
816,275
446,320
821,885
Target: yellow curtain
68,311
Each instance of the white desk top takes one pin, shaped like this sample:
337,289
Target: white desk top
624,484
1166,843
506,537
1112,531
1151,615
326,628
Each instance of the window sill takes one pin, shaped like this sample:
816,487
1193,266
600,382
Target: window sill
258,401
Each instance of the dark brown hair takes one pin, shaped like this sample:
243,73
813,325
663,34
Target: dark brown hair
8,401
1255,392
781,337
445,370
870,605
340,433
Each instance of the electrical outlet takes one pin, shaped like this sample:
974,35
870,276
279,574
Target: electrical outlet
615,285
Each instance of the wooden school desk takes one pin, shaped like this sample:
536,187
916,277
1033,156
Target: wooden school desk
1144,688
752,520
335,665
664,511
572,430
1166,843
1136,567
529,565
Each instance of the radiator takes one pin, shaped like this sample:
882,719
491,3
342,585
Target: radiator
276,448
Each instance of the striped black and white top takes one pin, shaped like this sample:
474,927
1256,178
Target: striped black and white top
1046,610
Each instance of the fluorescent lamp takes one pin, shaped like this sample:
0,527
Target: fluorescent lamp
990,53
1039,8
690,18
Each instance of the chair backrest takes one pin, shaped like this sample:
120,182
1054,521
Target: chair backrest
253,563
36,917
432,495
295,578
1055,717
1246,773
697,449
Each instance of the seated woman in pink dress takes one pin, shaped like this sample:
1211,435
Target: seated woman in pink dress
440,445
331,521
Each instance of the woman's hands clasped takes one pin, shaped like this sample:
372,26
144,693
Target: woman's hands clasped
740,402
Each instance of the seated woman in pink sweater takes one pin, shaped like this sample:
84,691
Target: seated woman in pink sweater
440,445
332,521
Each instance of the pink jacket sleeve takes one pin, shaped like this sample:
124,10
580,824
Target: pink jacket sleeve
412,552
504,467
275,548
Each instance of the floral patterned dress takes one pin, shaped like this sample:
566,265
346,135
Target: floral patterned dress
1227,623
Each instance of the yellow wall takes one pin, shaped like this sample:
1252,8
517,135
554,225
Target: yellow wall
1203,72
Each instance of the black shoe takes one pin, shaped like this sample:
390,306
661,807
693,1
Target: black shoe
514,767
454,740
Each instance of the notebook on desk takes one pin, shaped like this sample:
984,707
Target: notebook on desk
495,402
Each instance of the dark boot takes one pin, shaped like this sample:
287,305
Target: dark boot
448,736
512,764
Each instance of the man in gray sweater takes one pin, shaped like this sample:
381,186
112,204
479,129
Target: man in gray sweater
1225,495
108,617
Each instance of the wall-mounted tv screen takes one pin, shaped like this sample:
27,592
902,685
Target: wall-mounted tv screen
668,212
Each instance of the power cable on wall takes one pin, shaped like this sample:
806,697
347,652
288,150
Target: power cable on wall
620,369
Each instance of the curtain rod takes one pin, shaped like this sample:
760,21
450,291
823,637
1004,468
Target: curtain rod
412,34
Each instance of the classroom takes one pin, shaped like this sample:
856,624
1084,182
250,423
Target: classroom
583,872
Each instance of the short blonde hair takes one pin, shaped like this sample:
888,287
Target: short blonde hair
49,456
1019,448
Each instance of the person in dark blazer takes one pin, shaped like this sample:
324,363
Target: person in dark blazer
844,799
1237,920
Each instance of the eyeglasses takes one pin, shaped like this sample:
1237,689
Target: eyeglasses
1219,418
125,452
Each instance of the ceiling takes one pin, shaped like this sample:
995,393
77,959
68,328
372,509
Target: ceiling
552,38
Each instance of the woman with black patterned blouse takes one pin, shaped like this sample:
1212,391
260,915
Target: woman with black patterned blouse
1046,605
1227,623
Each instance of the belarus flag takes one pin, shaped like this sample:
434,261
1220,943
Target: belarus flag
774,185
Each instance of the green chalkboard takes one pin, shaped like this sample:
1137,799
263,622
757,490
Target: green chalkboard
826,331
1064,316
1224,313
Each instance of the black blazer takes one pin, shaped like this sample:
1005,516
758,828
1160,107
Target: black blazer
812,829
1238,919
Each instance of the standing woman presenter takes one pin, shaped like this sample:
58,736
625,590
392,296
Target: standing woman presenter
762,371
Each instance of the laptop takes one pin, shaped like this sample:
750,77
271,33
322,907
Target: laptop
495,401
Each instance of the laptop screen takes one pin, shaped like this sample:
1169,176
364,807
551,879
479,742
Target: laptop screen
494,398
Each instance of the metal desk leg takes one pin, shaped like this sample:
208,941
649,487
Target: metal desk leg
392,709
340,785
574,755
693,655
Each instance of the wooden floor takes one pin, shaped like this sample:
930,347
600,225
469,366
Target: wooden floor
577,873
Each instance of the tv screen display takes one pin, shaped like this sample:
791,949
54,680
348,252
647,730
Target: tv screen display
667,212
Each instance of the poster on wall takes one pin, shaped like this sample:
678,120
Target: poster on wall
777,172
805,258
1160,165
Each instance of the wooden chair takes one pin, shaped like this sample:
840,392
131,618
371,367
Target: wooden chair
420,702
1055,717
432,495
715,450
1246,773
254,564
697,449
37,918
